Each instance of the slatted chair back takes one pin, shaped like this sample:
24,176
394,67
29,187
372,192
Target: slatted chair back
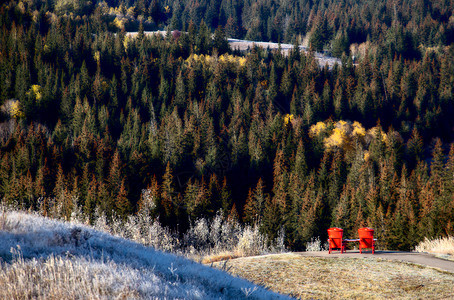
335,239
366,239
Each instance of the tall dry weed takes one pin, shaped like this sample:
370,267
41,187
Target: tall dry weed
444,245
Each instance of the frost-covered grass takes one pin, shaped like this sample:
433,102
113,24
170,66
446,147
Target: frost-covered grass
48,259
443,245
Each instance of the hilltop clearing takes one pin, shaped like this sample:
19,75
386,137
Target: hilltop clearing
44,258
246,45
309,277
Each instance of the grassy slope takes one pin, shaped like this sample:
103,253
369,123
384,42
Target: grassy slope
48,259
346,278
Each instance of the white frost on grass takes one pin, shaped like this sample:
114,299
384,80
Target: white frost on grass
119,266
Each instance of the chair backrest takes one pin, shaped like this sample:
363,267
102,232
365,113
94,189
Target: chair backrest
366,237
335,237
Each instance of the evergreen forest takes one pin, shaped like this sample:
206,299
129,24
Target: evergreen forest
96,118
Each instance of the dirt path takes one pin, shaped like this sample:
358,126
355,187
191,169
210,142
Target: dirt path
411,257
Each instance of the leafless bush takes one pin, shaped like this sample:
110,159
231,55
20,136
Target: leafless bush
6,130
5,223
76,213
100,221
197,237
252,242
205,237
314,245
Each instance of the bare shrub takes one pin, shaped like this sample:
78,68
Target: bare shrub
252,242
198,235
76,213
6,130
279,243
5,223
314,245
100,221
216,237
203,238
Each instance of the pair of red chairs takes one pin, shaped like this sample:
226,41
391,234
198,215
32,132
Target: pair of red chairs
366,239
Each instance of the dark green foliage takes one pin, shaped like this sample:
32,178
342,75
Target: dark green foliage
320,35
104,116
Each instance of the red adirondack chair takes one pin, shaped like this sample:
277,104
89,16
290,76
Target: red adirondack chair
335,239
366,239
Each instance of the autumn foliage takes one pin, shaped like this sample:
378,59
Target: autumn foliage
93,117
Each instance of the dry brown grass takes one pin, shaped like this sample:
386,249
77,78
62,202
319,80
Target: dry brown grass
437,246
219,257
346,278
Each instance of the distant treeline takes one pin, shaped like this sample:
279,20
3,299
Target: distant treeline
100,117
398,27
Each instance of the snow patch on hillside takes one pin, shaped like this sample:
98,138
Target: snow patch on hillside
120,263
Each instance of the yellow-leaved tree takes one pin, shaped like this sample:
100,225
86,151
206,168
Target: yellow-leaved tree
36,91
288,118
13,109
339,135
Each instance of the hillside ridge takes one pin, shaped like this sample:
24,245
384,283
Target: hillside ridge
26,237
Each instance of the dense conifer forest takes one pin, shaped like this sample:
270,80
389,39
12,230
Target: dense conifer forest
92,113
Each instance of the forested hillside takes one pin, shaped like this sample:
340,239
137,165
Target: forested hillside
91,114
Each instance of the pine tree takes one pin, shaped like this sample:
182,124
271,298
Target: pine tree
220,43
255,204
115,175
203,41
39,183
154,11
226,200
280,182
233,216
122,204
320,34
310,212
403,224
60,184
168,193
336,179
140,33
437,166
415,147
213,195
85,81
180,93
91,199
272,219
